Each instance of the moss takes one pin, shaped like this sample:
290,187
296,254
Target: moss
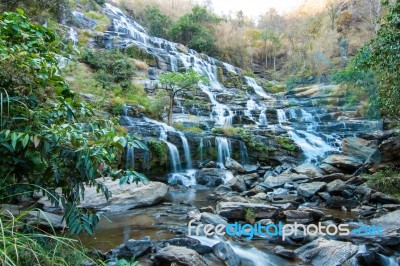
229,79
386,180
137,53
286,144
192,129
158,153
83,37
102,21
273,88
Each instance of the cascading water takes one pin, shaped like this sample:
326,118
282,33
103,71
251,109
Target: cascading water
130,157
257,88
244,156
73,36
281,116
223,151
186,150
262,120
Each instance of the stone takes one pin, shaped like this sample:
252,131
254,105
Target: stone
329,169
210,164
343,162
384,198
333,177
390,223
365,150
132,248
124,197
237,184
308,170
285,253
390,149
212,177
178,256
326,252
336,186
308,190
185,242
249,179
280,180
237,210
233,165
223,189
47,219
298,216
338,202
211,218
225,252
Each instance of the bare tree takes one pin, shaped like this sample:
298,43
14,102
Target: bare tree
333,7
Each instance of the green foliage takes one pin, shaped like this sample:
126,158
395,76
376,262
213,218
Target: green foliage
191,30
100,2
382,55
137,53
386,180
359,87
249,216
273,88
124,262
112,66
193,129
156,22
286,143
102,21
159,152
23,244
176,83
227,130
47,137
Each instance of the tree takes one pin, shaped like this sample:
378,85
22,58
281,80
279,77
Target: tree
176,83
156,22
48,138
333,9
382,55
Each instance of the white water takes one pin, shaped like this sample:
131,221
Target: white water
130,157
185,178
281,116
244,156
73,36
186,150
223,151
257,88
262,119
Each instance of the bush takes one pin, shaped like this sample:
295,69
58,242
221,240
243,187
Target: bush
286,144
386,180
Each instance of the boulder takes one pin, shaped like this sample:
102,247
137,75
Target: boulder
237,210
308,190
132,248
308,170
302,217
343,162
384,198
47,219
225,252
124,197
326,252
178,256
329,169
390,149
211,218
283,252
185,242
237,184
212,177
233,165
250,179
365,150
336,186
280,180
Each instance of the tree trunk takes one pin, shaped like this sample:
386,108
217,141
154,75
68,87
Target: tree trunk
274,62
170,110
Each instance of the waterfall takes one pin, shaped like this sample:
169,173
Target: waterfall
130,157
187,178
244,156
201,149
73,36
281,116
186,150
262,120
174,159
223,151
257,88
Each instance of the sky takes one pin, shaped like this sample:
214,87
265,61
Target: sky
254,8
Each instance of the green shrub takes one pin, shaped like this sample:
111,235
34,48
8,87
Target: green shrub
386,180
286,144
159,152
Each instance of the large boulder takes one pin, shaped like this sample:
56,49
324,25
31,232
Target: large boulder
390,149
287,177
362,149
211,218
213,177
185,242
237,184
124,197
233,165
132,248
225,252
174,255
390,223
308,190
336,186
237,210
326,252
302,217
343,162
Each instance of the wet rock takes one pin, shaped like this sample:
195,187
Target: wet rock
365,150
280,180
329,169
336,186
384,198
391,207
343,162
308,170
298,216
223,189
233,165
224,251
237,184
46,219
210,164
185,242
237,210
249,179
132,248
124,197
178,255
211,177
283,252
338,202
211,218
333,177
308,190
326,252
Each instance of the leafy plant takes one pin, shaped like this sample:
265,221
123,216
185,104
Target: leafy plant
386,180
286,143
250,216
49,138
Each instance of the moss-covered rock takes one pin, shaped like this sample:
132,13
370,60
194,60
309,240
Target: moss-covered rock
229,79
137,53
